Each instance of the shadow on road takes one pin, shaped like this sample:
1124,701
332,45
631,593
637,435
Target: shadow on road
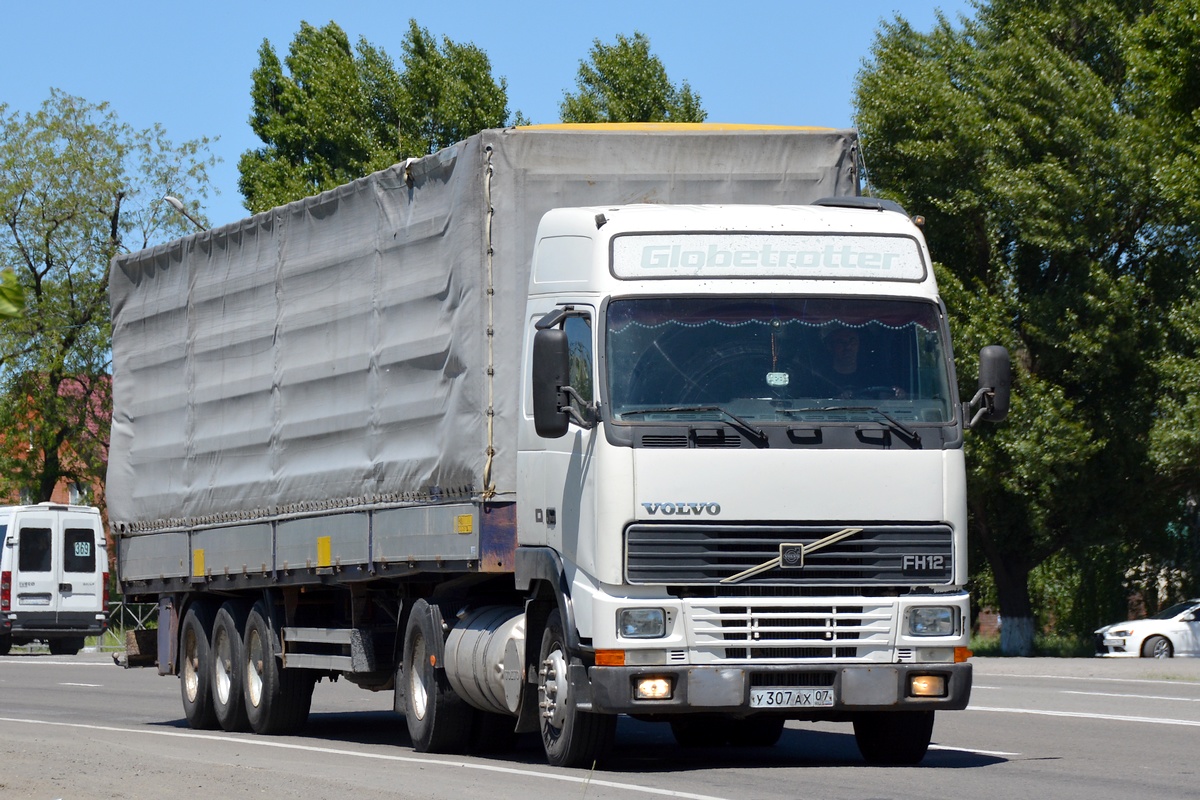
644,747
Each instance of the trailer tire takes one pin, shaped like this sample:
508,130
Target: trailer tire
229,667
195,666
893,738
277,700
570,737
439,721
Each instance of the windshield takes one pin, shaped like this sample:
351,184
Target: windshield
777,359
1174,611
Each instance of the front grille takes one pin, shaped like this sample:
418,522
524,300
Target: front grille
790,630
698,555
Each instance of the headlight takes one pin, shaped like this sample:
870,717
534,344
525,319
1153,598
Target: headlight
641,623
1120,633
932,621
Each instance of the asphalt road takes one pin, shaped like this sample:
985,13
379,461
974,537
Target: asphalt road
1043,728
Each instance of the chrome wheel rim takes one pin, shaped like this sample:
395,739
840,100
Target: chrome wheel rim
418,695
254,668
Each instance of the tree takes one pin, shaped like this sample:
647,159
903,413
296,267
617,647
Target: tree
624,82
1026,139
77,186
449,93
336,114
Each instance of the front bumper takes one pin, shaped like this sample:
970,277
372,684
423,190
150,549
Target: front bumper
726,689
1116,646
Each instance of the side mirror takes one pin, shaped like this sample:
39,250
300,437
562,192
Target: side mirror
995,386
550,368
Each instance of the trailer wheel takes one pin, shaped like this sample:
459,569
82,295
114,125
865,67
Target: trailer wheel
893,738
570,737
438,719
228,673
277,699
195,665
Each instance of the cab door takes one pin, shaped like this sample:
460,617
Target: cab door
564,511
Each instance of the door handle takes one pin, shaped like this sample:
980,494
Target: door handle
64,587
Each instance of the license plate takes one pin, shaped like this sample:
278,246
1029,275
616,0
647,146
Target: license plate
791,698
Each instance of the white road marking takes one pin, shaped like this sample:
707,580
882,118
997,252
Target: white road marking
1181,682
1138,696
528,773
971,750
1082,715
85,685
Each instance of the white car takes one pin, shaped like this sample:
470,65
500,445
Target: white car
1174,631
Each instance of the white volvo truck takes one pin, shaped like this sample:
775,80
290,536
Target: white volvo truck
557,424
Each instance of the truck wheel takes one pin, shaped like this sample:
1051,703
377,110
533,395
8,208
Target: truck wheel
5,645
229,670
570,737
277,699
1157,647
195,666
438,719
893,738
66,647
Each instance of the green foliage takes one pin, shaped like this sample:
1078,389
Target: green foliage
1042,143
624,82
330,114
12,295
77,186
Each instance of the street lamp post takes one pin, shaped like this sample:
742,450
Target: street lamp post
177,204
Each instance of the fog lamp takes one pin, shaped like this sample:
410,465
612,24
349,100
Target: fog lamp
927,686
931,621
641,623
653,688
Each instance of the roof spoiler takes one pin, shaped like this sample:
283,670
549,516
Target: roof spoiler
866,203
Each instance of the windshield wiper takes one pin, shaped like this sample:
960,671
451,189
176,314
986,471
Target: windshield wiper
895,423
737,421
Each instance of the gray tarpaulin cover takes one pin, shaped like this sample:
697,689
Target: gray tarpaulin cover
334,351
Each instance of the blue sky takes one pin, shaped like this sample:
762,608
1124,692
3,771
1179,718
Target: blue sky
188,65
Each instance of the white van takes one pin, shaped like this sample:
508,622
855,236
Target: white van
53,576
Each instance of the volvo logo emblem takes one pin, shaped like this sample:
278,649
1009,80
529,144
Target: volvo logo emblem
682,509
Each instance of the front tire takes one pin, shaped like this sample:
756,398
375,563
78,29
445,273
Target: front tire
1157,647
893,738
438,720
228,673
277,699
570,737
195,666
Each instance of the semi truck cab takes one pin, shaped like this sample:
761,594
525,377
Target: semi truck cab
742,447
